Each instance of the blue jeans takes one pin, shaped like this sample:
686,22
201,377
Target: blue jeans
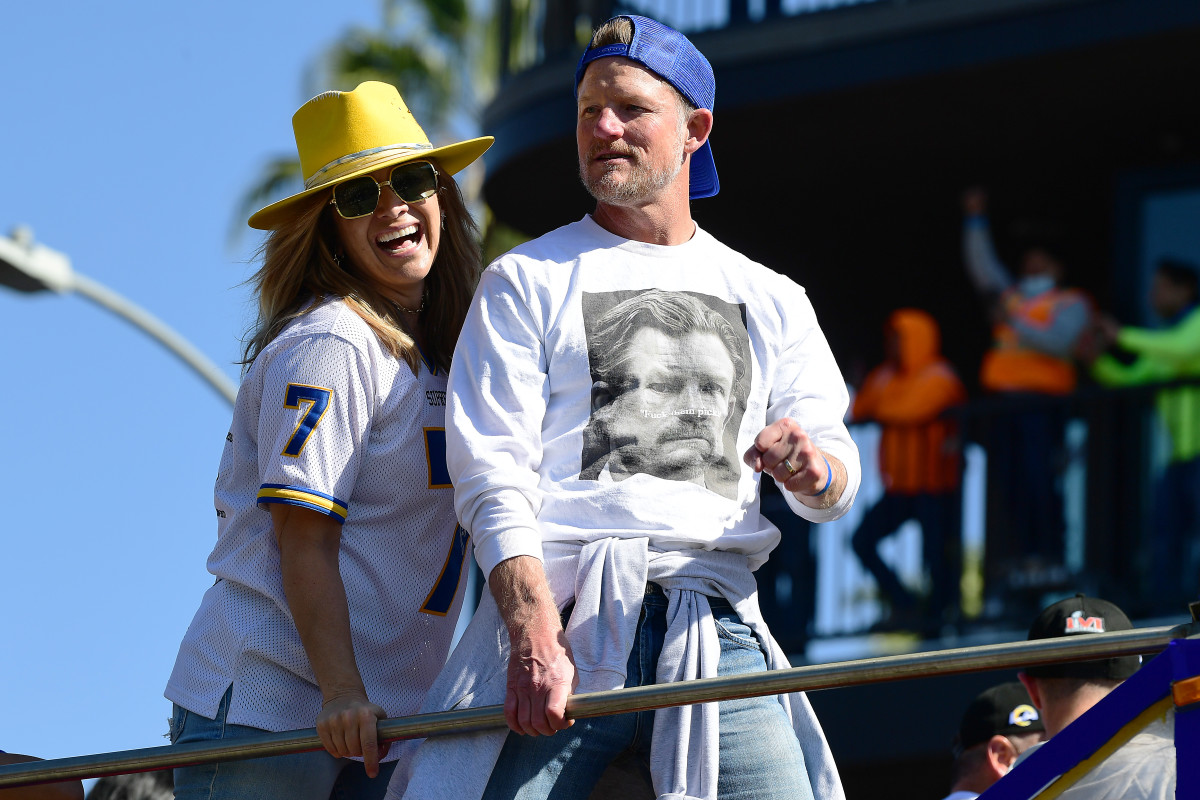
760,756
300,776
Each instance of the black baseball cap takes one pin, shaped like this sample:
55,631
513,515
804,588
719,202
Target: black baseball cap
1004,710
1083,616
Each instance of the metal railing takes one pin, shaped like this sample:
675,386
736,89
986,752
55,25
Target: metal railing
1104,459
535,32
823,676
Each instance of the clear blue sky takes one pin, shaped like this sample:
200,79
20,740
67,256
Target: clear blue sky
129,132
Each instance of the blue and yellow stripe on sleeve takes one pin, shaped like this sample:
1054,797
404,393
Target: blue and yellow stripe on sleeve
305,498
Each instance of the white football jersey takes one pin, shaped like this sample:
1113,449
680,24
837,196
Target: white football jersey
326,419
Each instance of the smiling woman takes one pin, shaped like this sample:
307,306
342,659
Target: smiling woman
338,558
395,247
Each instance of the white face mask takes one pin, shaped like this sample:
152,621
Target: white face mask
1033,285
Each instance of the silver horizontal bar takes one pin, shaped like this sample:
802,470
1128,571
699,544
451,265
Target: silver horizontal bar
979,658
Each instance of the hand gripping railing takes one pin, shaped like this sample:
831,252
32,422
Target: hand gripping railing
956,661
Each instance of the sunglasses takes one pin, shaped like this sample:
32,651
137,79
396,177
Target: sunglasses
413,182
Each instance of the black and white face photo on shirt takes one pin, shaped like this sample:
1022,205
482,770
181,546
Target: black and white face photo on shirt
670,376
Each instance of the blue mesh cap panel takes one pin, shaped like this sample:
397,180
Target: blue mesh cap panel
666,51
669,53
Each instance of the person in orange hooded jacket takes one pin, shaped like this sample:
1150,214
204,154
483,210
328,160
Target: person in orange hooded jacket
919,462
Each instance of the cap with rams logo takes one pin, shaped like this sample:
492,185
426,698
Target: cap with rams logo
1083,616
1003,710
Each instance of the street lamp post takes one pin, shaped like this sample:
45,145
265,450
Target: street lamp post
29,267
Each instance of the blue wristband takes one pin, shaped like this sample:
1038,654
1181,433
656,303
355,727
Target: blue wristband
828,477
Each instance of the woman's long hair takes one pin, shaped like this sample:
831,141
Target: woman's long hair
299,270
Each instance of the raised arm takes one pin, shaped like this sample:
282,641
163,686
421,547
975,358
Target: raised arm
984,268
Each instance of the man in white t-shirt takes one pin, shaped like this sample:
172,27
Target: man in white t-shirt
621,386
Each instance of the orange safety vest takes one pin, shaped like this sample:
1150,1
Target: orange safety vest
1010,367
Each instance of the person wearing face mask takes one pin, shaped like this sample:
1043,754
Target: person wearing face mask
1039,329
1038,324
338,559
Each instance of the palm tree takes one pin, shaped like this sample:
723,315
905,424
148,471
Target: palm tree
441,54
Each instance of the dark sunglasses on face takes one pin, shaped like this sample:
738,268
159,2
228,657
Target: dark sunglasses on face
413,182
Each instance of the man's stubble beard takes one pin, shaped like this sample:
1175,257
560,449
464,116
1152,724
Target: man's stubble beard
641,184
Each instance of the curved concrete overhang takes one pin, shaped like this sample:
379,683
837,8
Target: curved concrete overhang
846,77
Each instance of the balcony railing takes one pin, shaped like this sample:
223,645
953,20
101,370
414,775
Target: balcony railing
534,32
1103,456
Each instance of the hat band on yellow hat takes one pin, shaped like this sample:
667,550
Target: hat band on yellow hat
356,162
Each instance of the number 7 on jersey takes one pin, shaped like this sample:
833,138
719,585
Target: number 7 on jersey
317,400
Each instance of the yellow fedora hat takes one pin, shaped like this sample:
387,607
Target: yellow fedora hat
341,135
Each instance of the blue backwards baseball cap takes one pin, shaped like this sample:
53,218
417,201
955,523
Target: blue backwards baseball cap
669,53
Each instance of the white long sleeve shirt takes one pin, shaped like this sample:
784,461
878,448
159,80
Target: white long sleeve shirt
522,397
615,475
